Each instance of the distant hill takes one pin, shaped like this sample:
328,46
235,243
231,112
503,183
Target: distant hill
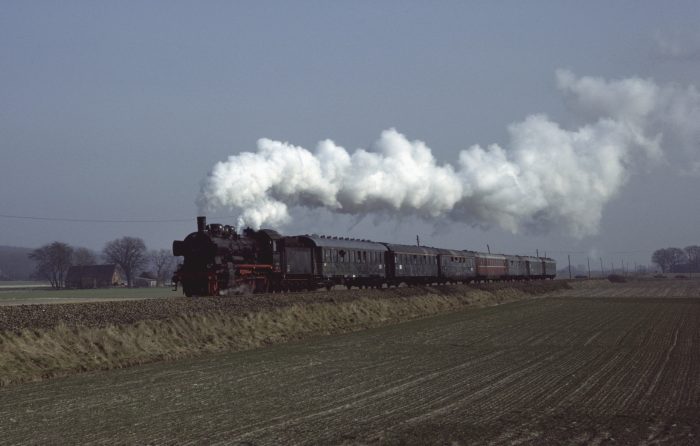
15,263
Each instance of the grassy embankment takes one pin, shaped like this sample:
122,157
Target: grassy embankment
18,292
30,354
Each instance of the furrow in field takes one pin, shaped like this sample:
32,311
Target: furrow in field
366,401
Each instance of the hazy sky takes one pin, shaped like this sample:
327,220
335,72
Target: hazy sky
118,111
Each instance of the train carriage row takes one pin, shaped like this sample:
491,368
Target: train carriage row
217,259
359,262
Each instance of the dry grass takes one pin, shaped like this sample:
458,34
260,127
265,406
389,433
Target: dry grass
35,354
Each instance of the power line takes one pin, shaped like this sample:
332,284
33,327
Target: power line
98,220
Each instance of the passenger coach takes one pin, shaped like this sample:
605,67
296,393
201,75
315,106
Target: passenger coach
334,261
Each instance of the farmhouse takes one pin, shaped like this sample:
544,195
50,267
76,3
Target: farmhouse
93,276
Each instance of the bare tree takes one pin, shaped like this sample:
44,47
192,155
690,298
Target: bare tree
667,258
693,253
162,262
84,256
129,253
52,263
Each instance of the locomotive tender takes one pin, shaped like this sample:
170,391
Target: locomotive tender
218,260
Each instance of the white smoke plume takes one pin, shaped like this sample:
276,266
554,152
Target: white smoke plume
547,177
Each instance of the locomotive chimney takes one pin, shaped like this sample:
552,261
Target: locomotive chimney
201,223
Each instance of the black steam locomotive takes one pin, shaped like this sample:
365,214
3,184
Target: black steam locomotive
218,260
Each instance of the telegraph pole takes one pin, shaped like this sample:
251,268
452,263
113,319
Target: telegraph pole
602,270
569,255
589,267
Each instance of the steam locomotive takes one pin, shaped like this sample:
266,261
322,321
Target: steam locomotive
218,260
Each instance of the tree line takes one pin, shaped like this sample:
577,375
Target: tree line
669,259
129,253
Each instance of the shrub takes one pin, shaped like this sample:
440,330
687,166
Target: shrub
616,278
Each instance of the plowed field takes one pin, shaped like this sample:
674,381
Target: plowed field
608,364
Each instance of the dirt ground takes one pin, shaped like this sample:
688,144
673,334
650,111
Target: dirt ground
615,364
40,342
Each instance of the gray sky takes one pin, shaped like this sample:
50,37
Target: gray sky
118,111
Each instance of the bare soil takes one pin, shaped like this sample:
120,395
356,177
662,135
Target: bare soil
46,341
607,369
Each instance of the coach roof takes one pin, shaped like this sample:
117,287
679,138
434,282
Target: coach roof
340,242
413,249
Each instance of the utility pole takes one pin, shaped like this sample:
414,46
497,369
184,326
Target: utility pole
569,255
589,267
538,252
417,241
602,270
488,248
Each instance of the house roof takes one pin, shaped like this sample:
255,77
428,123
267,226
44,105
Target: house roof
98,272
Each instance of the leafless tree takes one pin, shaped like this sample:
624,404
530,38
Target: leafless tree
52,263
129,253
162,262
84,256
693,253
667,258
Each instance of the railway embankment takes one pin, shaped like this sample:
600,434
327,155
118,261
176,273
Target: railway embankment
46,341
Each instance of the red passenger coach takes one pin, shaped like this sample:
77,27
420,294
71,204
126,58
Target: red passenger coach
490,266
